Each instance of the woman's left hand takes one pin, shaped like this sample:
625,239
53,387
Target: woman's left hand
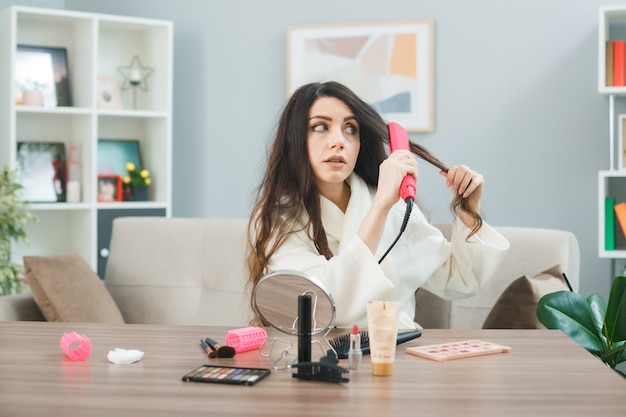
463,180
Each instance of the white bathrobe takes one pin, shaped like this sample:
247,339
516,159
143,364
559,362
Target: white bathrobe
421,258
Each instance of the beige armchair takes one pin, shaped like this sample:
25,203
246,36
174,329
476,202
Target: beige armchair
532,251
179,270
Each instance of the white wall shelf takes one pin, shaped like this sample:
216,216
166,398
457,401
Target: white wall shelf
96,45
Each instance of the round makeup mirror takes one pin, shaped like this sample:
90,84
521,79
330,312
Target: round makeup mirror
275,300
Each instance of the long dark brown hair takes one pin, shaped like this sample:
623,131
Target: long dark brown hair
287,198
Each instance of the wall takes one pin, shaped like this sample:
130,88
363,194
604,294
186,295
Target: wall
51,4
516,99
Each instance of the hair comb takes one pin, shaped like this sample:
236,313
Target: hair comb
341,343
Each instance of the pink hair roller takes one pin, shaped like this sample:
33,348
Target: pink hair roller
76,346
246,338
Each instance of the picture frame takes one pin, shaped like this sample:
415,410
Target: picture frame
108,93
389,64
114,154
110,188
41,171
42,72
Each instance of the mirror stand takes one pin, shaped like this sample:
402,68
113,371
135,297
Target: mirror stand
275,300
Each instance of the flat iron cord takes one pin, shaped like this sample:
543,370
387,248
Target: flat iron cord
405,222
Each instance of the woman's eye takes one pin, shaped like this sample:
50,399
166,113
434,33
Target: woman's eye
351,129
320,127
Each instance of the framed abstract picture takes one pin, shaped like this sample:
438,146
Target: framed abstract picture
42,70
114,154
42,171
389,64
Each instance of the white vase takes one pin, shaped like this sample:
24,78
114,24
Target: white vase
32,98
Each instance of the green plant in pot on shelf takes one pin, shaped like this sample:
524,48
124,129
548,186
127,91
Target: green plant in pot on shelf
136,183
593,324
14,216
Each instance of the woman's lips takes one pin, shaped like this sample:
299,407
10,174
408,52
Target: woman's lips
336,160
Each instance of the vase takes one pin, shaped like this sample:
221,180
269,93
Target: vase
139,194
32,98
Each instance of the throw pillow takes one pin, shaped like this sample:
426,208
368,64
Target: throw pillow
66,289
516,306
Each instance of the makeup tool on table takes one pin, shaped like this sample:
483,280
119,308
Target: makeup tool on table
304,328
382,322
214,350
226,375
124,356
246,338
275,301
355,354
457,350
280,300
341,344
325,370
76,346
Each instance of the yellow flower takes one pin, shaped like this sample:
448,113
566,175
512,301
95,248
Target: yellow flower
137,176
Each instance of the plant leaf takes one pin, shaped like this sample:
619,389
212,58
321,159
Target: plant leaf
615,356
569,312
598,313
616,310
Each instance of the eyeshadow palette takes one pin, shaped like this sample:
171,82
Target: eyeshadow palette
226,375
456,350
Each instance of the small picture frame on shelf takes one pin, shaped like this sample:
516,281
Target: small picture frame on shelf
41,76
108,93
110,188
42,172
114,154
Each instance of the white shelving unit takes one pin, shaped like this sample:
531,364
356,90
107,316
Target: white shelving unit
611,182
96,46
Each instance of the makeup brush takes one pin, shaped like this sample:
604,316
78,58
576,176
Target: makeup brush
206,347
218,351
341,343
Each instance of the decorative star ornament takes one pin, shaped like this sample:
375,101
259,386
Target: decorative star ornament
135,75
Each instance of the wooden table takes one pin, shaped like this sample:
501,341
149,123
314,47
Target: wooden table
545,374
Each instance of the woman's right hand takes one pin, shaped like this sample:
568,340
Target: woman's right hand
390,175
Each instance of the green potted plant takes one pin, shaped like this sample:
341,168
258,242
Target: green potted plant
598,327
14,216
136,183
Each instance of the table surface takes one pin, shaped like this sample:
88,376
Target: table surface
545,374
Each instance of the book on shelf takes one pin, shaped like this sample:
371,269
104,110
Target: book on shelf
620,213
619,63
609,223
608,65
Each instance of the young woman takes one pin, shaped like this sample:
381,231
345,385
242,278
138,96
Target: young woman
329,206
